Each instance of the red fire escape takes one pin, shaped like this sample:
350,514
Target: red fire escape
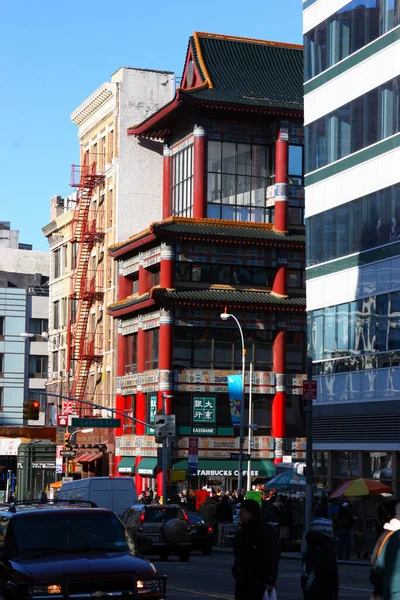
86,233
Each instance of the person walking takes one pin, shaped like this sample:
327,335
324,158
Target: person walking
387,560
224,518
319,570
342,525
256,553
208,511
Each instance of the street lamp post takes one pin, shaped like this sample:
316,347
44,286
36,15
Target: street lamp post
225,316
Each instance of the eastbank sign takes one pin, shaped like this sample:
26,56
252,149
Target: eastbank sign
223,472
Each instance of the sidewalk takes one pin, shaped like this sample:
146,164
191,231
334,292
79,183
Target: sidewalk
297,556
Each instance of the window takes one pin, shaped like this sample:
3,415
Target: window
1,364
56,314
224,274
154,278
38,326
354,26
110,207
2,326
38,367
74,253
74,306
356,226
65,253
151,349
102,156
360,123
295,165
238,176
64,312
182,182
110,146
55,362
57,263
131,353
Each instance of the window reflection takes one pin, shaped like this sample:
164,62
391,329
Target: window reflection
186,271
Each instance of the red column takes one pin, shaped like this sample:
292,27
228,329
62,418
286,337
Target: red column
281,180
144,280
124,290
165,369
278,417
140,400
280,281
199,173
166,197
167,266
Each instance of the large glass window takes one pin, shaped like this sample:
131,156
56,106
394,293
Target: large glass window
182,182
230,275
360,123
351,28
356,226
238,177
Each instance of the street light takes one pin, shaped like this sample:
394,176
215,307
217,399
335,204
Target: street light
225,316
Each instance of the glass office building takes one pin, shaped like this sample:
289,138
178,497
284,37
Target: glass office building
352,118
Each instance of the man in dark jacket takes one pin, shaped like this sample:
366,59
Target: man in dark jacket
319,573
257,552
224,517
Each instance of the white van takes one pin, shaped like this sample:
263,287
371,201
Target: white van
116,494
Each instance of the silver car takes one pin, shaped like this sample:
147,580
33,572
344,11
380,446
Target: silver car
159,529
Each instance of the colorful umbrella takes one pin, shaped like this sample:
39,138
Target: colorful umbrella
288,480
361,487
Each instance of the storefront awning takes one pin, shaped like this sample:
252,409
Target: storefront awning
147,466
92,457
228,468
127,465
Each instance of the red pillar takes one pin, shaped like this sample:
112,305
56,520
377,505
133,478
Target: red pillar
144,280
166,197
278,417
281,180
124,290
167,266
279,286
140,400
199,173
165,369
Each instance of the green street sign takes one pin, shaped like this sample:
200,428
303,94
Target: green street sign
152,413
77,422
204,409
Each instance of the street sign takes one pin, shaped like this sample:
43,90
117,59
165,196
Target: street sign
235,456
66,479
309,389
95,422
62,420
68,453
164,426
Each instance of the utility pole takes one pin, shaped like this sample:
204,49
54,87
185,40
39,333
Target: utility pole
164,454
309,452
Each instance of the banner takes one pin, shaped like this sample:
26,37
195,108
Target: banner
235,389
254,495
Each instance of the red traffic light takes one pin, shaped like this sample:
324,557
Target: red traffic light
35,404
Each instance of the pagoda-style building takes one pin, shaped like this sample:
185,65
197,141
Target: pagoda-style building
231,237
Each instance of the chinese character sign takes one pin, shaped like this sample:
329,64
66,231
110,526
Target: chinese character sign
235,388
204,409
152,413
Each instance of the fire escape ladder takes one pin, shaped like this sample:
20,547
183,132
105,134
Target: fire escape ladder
83,293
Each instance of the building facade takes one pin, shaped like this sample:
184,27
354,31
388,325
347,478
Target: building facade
82,283
352,118
230,236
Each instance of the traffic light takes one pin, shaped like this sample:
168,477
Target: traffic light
67,443
26,411
34,410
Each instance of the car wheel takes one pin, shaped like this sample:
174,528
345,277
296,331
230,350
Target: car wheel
184,556
164,556
208,550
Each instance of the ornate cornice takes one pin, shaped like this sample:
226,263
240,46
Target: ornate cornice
93,103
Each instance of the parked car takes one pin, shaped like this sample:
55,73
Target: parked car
159,529
107,492
61,552
202,534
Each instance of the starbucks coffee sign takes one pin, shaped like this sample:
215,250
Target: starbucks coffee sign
223,473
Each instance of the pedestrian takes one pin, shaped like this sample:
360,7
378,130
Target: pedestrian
319,572
256,551
387,513
208,511
224,517
342,525
359,538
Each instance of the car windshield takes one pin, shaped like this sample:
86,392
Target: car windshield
70,533
160,514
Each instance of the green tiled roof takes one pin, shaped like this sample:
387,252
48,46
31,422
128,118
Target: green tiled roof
223,230
229,297
249,72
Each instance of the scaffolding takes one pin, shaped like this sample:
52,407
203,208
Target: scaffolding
87,232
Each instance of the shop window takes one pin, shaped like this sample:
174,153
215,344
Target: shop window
377,465
345,464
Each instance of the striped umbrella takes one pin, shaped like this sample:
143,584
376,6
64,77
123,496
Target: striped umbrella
288,480
361,487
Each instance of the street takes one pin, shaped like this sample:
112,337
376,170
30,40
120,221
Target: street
210,577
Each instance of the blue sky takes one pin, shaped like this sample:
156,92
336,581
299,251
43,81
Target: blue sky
54,54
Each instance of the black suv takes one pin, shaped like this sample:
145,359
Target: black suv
159,529
60,552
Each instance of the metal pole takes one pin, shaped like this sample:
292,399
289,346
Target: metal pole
250,430
164,455
309,453
241,429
